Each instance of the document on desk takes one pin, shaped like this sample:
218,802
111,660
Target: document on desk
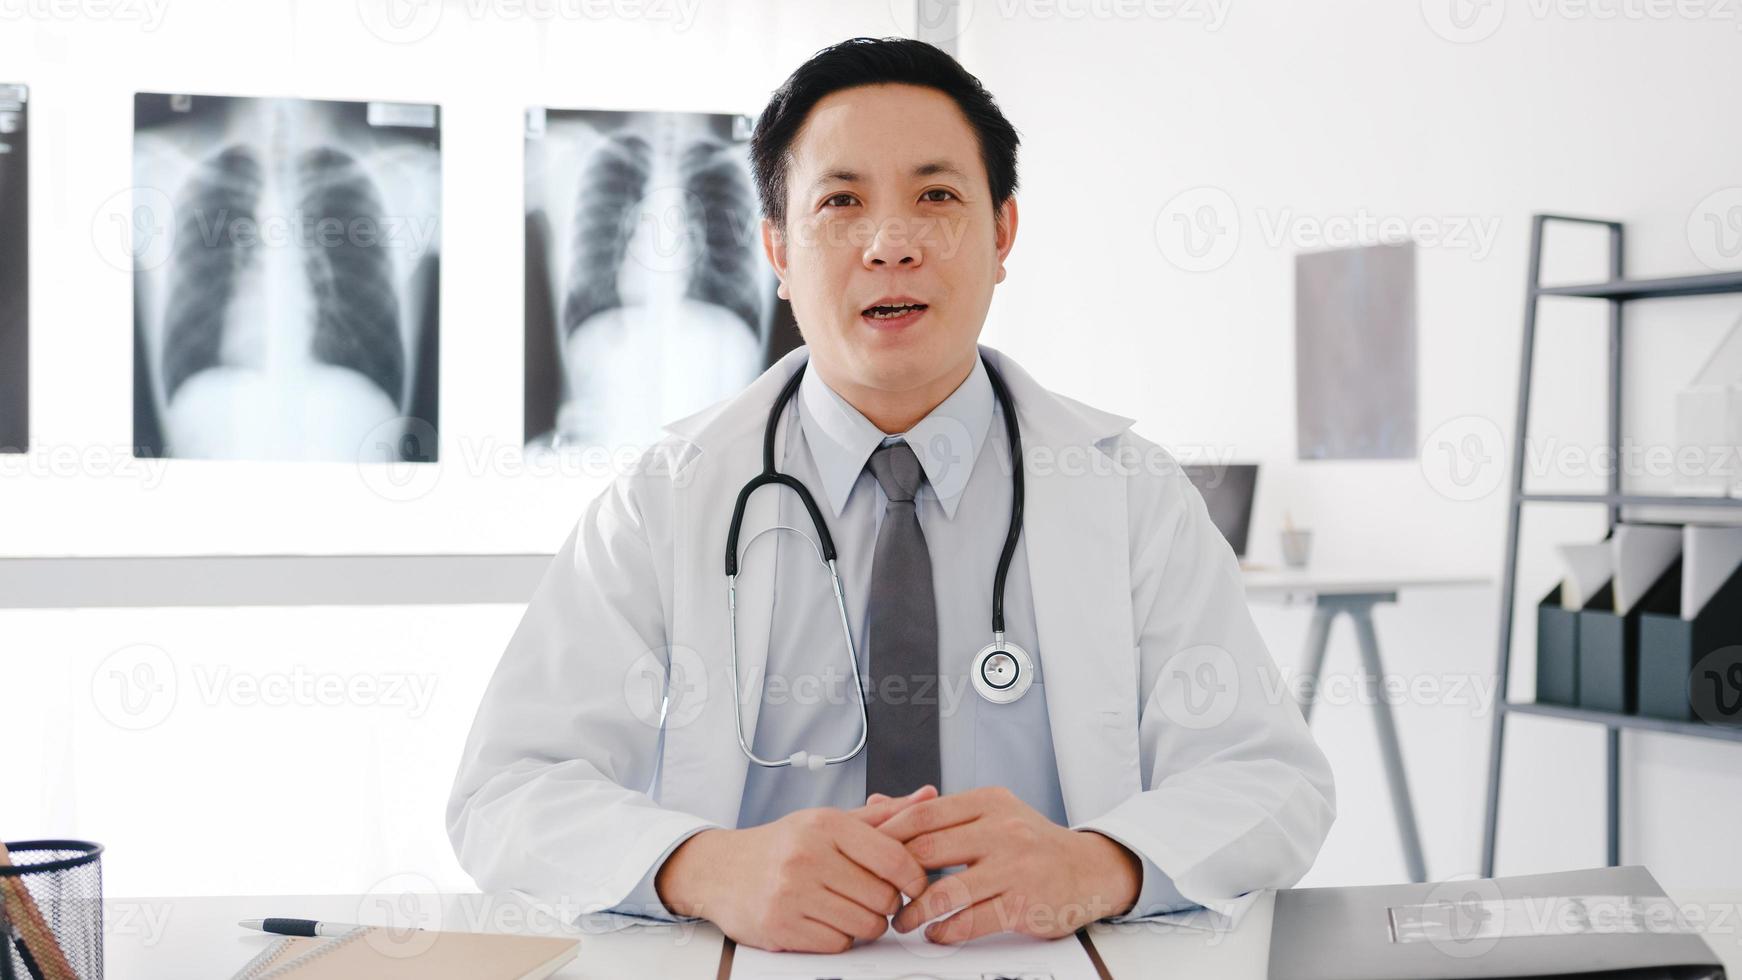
896,956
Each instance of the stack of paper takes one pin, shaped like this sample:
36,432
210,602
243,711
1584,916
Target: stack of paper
1710,555
910,955
1709,422
1631,560
1707,433
1589,568
1643,552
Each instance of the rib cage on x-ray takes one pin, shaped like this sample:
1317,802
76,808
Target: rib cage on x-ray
613,184
283,267
726,274
208,262
663,302
356,307
719,208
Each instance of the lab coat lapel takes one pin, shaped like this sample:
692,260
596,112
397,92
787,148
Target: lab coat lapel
703,769
1076,539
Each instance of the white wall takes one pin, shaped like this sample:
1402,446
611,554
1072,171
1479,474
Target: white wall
1308,117
1314,112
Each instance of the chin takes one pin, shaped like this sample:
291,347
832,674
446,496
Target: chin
900,365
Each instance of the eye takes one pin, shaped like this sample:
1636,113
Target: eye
830,201
947,195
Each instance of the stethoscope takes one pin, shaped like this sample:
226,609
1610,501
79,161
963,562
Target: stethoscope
1002,671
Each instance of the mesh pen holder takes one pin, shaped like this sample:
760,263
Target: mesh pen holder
64,880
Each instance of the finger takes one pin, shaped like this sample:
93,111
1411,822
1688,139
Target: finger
962,844
810,936
948,894
840,913
879,808
980,919
882,856
935,814
848,879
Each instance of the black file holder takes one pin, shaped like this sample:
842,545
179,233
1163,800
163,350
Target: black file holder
1557,651
1608,655
1671,649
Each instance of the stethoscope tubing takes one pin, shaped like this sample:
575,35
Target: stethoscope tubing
825,548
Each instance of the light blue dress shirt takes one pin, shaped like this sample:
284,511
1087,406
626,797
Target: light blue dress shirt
807,690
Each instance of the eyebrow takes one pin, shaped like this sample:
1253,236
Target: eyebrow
928,169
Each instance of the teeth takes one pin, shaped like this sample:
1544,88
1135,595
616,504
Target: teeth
889,312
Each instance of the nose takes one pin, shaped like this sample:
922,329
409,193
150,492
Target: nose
893,242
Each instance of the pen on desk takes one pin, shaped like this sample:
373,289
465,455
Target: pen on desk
297,927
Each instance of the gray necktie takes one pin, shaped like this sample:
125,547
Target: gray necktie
902,754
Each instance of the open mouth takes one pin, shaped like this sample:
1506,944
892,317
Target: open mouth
898,312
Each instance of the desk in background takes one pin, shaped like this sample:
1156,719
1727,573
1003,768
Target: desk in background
1335,594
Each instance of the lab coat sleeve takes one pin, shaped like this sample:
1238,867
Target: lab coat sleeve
643,899
549,795
1156,895
1236,794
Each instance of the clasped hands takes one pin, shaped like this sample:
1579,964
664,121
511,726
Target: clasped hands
817,880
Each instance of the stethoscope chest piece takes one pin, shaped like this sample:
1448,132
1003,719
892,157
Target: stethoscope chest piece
1002,671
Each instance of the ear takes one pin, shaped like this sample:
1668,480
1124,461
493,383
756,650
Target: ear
774,246
1004,233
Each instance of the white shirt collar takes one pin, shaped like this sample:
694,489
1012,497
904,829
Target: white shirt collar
947,441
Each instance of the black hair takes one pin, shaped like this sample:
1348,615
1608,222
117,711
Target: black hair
875,61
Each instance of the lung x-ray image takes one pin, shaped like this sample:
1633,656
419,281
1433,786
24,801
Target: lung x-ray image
14,270
647,293
286,266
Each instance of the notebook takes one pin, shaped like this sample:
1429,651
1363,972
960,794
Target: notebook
411,954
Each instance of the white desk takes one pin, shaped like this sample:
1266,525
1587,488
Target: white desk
1287,584
1333,593
153,938
149,939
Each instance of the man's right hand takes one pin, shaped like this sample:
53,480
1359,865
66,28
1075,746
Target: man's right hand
812,881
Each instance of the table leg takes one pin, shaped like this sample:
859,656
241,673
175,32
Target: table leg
1372,678
1313,668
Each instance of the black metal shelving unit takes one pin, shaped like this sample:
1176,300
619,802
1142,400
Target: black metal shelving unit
1617,291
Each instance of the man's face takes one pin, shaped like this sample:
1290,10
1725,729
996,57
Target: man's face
887,202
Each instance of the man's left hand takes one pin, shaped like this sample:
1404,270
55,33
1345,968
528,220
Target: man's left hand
1024,873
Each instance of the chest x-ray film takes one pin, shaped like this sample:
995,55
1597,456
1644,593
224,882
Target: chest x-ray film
1355,352
286,264
14,270
647,293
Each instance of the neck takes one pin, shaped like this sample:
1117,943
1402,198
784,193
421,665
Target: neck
895,412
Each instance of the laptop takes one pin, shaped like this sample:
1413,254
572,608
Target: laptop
1228,490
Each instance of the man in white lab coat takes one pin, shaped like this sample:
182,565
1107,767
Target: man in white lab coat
1156,762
